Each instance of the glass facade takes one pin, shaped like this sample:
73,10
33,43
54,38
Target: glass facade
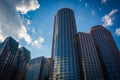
7,55
34,66
13,61
64,50
17,64
90,61
25,58
49,69
39,69
108,52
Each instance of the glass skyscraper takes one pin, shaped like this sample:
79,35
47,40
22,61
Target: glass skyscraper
25,58
108,52
64,49
13,61
7,55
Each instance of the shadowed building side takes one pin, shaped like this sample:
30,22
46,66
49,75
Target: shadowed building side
24,59
108,52
7,55
13,60
90,61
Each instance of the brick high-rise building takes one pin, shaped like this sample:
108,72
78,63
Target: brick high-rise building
90,60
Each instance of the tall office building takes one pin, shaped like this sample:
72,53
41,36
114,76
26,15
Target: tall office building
108,52
11,58
64,49
1,47
87,50
7,55
24,56
17,64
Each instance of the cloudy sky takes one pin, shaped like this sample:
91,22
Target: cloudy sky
31,21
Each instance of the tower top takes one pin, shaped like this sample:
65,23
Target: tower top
96,27
63,9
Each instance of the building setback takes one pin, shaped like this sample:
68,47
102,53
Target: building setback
108,52
90,61
64,48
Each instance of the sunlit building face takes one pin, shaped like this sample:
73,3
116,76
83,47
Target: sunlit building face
64,49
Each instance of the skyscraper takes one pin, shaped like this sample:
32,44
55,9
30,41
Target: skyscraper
17,64
108,52
12,59
24,59
7,55
90,61
64,49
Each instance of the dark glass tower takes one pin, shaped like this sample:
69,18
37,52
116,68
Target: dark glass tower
13,61
24,59
7,55
64,50
108,52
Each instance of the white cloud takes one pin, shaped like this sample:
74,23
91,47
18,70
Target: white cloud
86,4
28,22
108,21
27,5
33,30
117,32
103,1
113,12
11,23
38,43
22,34
109,18
19,46
1,36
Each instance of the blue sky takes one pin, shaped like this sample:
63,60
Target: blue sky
31,21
